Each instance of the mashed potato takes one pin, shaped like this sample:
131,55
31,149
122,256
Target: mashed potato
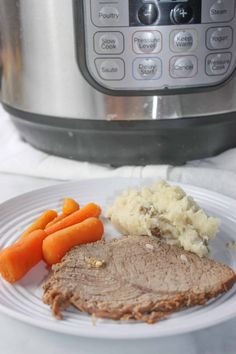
165,211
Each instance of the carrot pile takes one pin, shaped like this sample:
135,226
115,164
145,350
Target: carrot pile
50,237
18,259
40,223
57,244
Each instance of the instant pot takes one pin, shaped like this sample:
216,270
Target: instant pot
121,81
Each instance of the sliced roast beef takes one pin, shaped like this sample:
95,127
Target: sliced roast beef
134,278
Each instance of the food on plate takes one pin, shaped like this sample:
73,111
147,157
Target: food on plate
76,227
40,223
164,211
69,207
18,259
89,210
140,278
54,221
57,244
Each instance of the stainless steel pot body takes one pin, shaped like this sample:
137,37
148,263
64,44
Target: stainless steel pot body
57,110
41,73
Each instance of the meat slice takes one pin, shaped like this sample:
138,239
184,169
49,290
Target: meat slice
138,278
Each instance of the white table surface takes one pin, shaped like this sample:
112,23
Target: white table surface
17,337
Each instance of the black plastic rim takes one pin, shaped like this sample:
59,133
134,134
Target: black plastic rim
128,142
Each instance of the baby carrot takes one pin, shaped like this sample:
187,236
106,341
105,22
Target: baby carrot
18,259
69,206
54,221
56,245
40,223
89,210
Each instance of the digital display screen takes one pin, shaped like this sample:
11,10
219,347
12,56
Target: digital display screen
165,12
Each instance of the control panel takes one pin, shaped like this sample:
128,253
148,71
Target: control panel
156,45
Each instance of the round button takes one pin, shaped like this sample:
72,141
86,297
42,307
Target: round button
183,41
218,64
110,69
108,42
182,14
220,11
148,14
147,42
108,15
220,38
147,69
183,67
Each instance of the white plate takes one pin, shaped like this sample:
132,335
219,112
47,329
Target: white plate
23,300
